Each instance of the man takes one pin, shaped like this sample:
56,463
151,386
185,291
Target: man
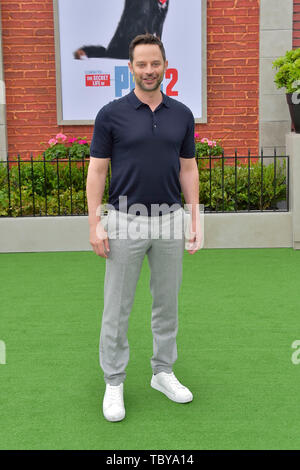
149,138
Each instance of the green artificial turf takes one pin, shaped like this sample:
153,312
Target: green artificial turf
238,317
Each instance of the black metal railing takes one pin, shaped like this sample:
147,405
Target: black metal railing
269,195
41,187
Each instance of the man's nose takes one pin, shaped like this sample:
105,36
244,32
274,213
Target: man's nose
149,69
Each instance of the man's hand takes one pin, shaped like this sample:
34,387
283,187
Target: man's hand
194,241
99,240
79,54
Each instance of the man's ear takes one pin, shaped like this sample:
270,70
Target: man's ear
130,67
166,65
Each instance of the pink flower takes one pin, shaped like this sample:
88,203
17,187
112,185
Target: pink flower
63,137
196,135
204,139
52,142
72,140
82,141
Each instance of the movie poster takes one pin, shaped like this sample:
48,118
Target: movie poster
92,41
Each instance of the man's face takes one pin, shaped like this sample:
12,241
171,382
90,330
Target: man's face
148,66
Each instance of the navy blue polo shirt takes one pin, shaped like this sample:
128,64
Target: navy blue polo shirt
144,148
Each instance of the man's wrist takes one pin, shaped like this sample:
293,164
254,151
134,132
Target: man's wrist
94,222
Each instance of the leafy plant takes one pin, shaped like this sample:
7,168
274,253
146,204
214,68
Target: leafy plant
62,147
32,186
288,75
206,147
242,187
45,187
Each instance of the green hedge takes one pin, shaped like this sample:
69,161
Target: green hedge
49,186
258,200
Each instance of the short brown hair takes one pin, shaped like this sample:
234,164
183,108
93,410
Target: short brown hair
146,39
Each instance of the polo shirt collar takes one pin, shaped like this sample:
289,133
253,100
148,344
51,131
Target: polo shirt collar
137,103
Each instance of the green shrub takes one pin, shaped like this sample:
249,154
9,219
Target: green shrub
238,200
34,183
62,147
288,75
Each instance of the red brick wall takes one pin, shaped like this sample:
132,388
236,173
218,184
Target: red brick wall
232,75
296,24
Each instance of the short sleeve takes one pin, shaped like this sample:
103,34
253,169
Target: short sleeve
188,149
101,145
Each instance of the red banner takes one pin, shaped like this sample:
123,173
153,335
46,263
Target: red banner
97,80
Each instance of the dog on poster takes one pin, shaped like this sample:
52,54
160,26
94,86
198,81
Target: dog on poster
138,17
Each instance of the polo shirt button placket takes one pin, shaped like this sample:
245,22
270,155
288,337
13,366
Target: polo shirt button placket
154,122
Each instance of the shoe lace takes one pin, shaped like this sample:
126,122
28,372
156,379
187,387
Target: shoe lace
175,381
114,392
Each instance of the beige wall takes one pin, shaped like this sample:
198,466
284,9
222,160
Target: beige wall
276,37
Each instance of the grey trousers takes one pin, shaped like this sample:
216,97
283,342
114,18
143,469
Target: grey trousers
161,238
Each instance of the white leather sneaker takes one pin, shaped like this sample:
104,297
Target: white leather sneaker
171,387
113,403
